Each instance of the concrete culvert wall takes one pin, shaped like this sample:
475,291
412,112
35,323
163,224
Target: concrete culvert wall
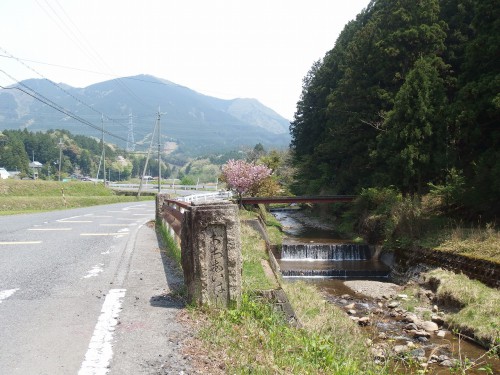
406,262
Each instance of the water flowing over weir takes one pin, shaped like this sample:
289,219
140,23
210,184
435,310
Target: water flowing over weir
330,261
311,254
325,251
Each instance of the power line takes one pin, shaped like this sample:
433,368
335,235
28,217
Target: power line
60,88
55,106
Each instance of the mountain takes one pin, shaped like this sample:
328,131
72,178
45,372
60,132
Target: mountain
191,123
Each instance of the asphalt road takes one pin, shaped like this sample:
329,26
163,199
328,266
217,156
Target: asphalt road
87,291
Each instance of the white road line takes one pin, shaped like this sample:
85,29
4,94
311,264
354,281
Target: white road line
102,216
74,221
49,229
117,225
126,219
20,242
96,270
4,294
71,217
100,350
101,234
141,214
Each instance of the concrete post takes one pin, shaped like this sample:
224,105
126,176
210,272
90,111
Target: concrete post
211,254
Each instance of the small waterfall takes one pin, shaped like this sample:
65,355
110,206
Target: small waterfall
325,251
330,260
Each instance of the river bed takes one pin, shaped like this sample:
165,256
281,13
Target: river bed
378,307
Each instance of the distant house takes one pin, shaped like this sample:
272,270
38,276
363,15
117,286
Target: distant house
4,174
35,166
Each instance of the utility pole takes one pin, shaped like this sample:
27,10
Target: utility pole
147,160
103,151
159,150
60,144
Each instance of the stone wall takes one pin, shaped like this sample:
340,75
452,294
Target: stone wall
406,262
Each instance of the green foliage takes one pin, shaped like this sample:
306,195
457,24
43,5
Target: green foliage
271,345
80,155
172,248
449,195
186,180
371,214
408,93
478,304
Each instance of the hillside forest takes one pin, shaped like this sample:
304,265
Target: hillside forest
80,156
407,99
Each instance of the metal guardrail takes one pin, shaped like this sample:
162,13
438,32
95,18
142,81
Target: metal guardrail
221,195
164,186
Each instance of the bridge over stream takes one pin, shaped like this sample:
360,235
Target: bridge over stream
299,199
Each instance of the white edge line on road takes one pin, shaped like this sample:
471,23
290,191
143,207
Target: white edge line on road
4,294
117,225
100,350
74,221
19,242
102,234
48,229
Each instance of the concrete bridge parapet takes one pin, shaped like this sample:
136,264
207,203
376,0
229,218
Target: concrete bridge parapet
209,237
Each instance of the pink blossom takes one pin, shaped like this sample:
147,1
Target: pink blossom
244,177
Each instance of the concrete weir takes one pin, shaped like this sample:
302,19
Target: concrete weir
330,260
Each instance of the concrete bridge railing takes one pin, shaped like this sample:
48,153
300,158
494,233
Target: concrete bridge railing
209,237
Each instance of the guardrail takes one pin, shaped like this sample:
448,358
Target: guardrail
153,185
221,195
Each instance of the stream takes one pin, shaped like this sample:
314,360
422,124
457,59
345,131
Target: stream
352,277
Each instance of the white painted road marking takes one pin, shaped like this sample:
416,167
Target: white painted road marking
117,225
4,294
101,234
100,350
75,221
96,270
49,229
20,242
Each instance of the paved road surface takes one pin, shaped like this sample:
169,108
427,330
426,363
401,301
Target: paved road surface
87,291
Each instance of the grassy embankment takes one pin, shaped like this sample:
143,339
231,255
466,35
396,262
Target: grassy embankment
26,196
256,339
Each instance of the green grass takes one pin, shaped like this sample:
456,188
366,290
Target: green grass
20,196
170,245
253,249
478,305
256,339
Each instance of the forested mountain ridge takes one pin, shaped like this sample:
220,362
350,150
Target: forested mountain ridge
196,123
409,95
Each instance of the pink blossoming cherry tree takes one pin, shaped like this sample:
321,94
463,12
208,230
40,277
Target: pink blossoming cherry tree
244,178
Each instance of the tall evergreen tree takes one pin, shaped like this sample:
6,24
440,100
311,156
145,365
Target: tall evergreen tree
414,141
